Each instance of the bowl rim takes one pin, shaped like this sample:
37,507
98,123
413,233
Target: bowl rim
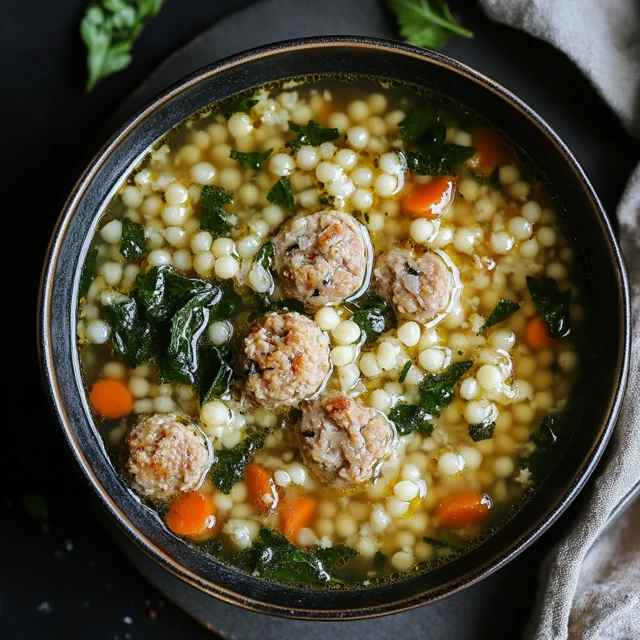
428,56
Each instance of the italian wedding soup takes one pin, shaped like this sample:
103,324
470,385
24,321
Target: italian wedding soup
331,331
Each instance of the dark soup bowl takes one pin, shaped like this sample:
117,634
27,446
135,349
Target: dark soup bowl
496,429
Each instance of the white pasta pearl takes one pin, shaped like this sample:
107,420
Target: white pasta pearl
174,215
502,339
327,149
358,137
97,332
342,187
226,267
358,110
568,360
327,318
131,197
377,103
327,172
519,189
557,271
342,355
409,333
479,410
345,524
203,263
529,249
203,173
339,121
469,388
112,273
463,240
201,241
503,467
366,546
451,463
406,490
531,211
220,332
501,242
472,457
347,332
230,178
376,222
520,228
385,185
422,230
403,560
525,389
240,125
259,227
112,232
361,199
508,174
390,163
369,365
386,356
164,404
138,386
176,193
433,359
381,400
248,194
396,507
443,237
222,247
308,198
469,190
489,377
282,164
215,413
379,519
411,472
546,236
159,258
346,158
348,375
307,157
175,236
362,176
259,280
273,214
152,206
297,473
143,177
281,478
248,246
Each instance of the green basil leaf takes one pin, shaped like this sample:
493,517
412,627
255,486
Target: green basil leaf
89,273
214,217
132,241
282,195
552,305
253,160
313,134
503,310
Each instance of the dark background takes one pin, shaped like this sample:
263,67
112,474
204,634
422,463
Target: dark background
61,574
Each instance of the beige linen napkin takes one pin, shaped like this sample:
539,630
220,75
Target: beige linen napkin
590,582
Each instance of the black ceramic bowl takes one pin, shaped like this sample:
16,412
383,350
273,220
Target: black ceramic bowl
605,373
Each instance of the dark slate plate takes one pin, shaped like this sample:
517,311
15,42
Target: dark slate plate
499,606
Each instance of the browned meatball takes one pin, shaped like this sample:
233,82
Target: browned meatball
418,286
287,357
342,441
166,456
322,257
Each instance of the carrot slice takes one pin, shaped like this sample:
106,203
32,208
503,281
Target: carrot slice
536,334
111,398
190,514
263,494
295,514
429,200
492,151
462,509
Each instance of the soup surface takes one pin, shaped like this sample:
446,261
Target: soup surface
329,331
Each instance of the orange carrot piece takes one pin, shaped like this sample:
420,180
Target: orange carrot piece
190,514
536,334
295,514
492,151
111,398
462,509
263,494
430,199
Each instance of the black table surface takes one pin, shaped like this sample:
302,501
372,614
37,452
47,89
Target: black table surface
61,573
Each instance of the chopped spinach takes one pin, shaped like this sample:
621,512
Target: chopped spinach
482,430
282,195
436,391
503,310
418,122
132,242
405,370
434,542
89,273
273,556
228,468
374,316
212,546
492,180
313,134
437,160
243,105
379,562
264,303
253,160
552,305
540,460
544,436
264,256
216,373
447,540
214,217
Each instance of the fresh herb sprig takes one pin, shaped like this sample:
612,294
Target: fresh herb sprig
427,23
109,30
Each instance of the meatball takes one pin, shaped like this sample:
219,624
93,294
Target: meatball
418,286
287,357
322,258
166,456
342,441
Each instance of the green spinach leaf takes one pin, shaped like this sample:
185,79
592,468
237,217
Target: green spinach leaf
437,160
214,217
239,105
253,160
215,373
482,430
544,436
264,256
89,273
405,370
503,310
282,195
374,315
132,241
418,122
379,562
552,305
313,134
